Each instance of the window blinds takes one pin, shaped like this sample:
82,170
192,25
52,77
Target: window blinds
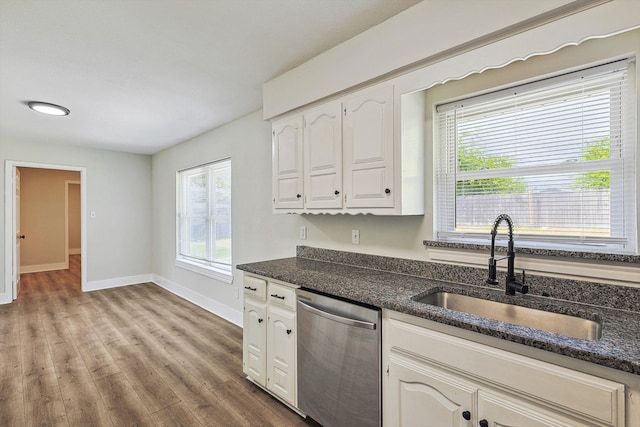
557,155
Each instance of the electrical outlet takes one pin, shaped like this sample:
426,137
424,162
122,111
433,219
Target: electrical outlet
355,237
303,232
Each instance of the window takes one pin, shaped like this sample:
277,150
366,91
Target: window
557,155
204,219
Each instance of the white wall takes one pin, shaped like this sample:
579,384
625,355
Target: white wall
118,190
257,234
260,235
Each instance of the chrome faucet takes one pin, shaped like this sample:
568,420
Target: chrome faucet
511,284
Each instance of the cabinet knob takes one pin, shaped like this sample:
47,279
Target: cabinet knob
484,423
466,415
387,190
336,192
288,331
260,320
298,195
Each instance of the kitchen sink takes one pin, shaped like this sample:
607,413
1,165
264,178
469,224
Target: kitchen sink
556,323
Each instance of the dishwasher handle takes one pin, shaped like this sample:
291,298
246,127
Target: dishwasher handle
337,318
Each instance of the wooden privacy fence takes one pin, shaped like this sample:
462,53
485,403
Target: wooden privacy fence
556,210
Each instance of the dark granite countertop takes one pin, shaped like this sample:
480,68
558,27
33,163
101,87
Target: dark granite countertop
618,348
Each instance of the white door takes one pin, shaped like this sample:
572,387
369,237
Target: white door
368,149
254,339
281,350
418,394
19,237
323,156
287,164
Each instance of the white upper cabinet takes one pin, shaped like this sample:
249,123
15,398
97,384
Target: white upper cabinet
368,149
323,156
355,159
287,164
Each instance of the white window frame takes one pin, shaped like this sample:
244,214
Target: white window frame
446,178
210,268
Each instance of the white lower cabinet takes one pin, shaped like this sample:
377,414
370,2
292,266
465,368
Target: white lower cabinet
419,395
435,379
254,340
281,352
269,336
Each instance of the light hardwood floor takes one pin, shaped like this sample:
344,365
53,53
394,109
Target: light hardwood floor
131,356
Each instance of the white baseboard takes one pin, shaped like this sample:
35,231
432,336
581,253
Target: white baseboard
5,299
209,304
75,251
38,268
96,285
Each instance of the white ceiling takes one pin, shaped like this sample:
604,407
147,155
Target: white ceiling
143,75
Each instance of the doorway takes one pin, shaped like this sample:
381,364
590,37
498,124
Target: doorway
12,267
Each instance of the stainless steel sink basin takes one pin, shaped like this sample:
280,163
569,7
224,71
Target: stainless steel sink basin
557,323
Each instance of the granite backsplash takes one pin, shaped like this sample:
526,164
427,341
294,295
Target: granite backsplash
605,295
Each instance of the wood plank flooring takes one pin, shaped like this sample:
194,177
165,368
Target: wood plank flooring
130,356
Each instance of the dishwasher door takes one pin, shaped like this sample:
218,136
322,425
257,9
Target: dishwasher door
339,361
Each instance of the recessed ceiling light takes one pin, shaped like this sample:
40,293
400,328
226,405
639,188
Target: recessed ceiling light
47,108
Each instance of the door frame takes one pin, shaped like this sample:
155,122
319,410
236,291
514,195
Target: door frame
68,183
10,219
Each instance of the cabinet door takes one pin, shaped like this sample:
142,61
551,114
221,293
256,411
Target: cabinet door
254,340
281,351
323,156
418,394
368,149
287,164
500,410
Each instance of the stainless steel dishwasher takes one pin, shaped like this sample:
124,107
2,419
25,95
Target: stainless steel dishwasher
339,366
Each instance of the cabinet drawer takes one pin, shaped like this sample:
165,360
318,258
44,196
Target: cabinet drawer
282,295
255,287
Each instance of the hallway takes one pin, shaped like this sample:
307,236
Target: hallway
37,286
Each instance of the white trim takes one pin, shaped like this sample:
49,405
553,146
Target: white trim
67,251
37,268
232,315
116,282
10,235
5,298
612,274
211,272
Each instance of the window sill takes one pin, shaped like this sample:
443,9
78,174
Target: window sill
214,273
601,268
632,259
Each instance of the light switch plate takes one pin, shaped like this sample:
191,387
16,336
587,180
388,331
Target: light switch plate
355,237
303,232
